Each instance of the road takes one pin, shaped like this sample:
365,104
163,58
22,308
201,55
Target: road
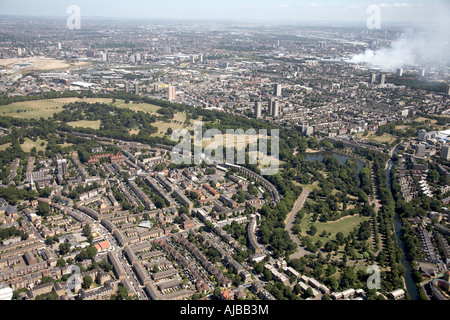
290,221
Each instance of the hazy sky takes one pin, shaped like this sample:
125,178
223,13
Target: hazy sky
277,10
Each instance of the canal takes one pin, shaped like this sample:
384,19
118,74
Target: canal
409,281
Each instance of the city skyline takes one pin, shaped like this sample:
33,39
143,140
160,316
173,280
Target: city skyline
350,11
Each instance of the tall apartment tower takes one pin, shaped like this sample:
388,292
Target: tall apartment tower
373,78
277,90
269,107
258,109
127,87
275,109
445,152
447,89
400,72
136,88
382,79
172,93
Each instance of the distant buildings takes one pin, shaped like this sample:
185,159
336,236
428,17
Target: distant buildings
306,130
445,152
275,107
172,93
258,109
277,90
380,79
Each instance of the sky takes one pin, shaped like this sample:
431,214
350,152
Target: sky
399,11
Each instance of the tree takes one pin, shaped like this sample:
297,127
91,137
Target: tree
313,230
340,238
267,274
64,248
87,230
61,263
43,209
122,293
91,252
87,282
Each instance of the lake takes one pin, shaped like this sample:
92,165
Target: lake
319,156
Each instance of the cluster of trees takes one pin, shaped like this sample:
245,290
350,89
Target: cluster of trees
157,200
391,254
13,195
272,229
237,231
390,128
330,206
6,233
89,253
115,122
415,83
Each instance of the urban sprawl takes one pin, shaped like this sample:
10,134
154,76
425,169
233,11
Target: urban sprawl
92,206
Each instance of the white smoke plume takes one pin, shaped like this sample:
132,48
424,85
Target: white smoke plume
425,43
426,47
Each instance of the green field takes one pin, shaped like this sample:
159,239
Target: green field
177,123
42,108
85,124
29,144
380,139
344,225
31,109
5,146
144,107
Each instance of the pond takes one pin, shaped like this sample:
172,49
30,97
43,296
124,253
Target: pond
319,156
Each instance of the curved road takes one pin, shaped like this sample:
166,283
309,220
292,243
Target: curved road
290,221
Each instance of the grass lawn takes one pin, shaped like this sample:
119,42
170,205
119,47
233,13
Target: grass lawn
380,139
423,119
174,124
31,109
42,108
5,146
85,124
144,107
29,144
344,225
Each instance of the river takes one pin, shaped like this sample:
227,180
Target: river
409,281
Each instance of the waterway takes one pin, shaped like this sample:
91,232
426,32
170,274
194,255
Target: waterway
319,156
409,281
